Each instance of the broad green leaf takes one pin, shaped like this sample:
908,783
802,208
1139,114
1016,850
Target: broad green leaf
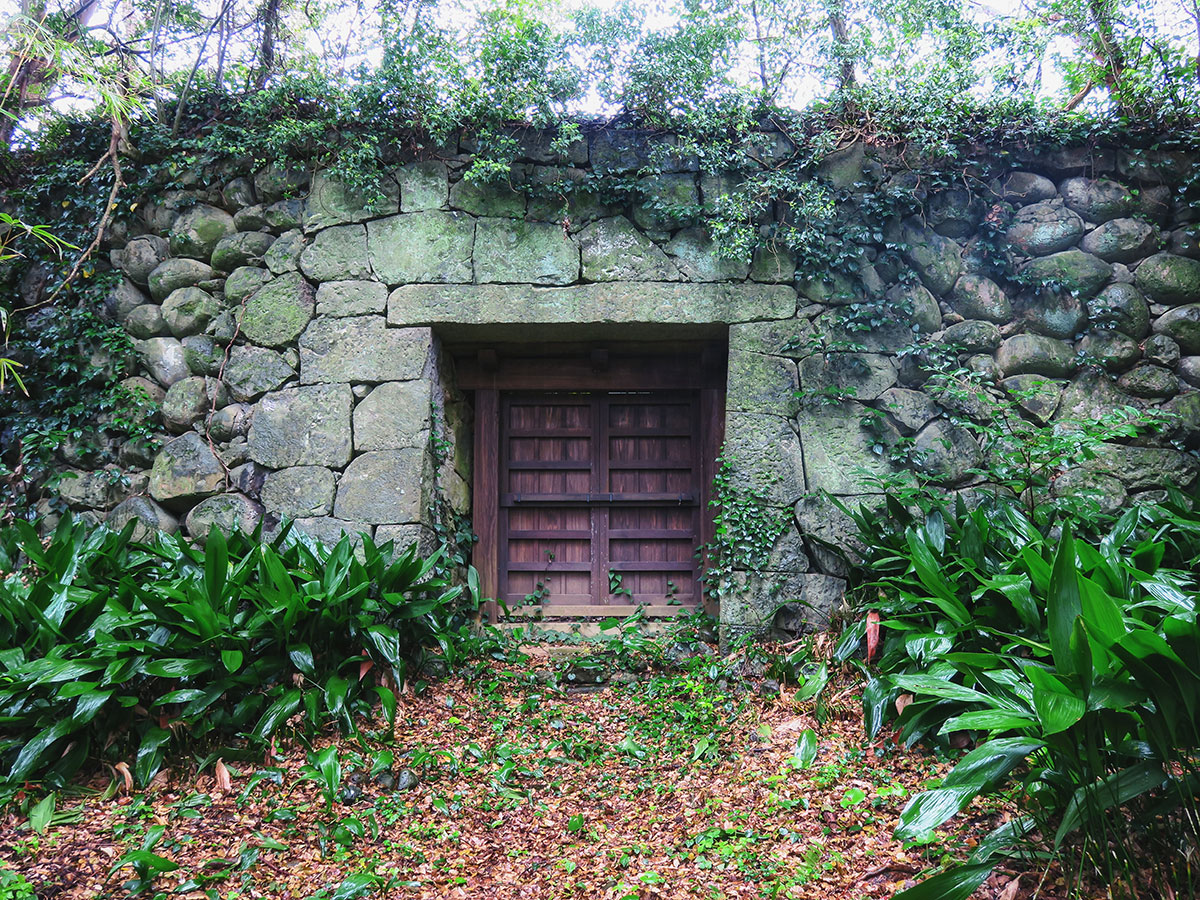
1063,603
302,658
936,687
929,809
177,668
88,706
958,883
927,646
990,762
806,749
216,566
1101,612
1057,712
36,748
387,699
336,689
988,720
42,813
149,754
355,887
277,713
231,659
876,698
930,573
145,860
813,685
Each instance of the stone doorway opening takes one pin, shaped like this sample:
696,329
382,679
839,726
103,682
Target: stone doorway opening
593,462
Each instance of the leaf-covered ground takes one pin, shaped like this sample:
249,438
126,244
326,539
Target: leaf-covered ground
680,784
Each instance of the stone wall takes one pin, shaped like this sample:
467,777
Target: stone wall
291,333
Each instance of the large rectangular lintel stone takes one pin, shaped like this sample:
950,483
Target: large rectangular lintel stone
641,302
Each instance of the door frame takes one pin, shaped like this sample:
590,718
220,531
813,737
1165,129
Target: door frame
660,367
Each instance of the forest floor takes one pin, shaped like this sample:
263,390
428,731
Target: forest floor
511,779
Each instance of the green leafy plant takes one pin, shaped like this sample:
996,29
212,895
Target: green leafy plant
116,650
1074,661
746,529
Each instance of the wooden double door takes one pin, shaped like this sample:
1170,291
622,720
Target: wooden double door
595,500
600,500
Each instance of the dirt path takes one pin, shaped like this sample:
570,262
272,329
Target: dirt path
671,786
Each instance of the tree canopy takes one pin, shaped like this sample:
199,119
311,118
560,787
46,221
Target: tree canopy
434,63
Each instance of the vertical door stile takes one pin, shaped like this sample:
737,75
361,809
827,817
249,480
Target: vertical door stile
486,511
600,511
503,455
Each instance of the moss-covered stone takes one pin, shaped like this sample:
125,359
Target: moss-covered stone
173,274
1097,200
284,254
278,312
1058,314
199,229
1035,354
142,255
762,383
149,516
146,321
1121,240
190,400
419,247
332,202
393,416
911,410
766,456
202,354
1023,188
1045,227
614,250
423,186
839,452
1037,395
1171,279
244,281
185,471
300,491
362,349
337,254
668,201
1149,381
1182,324
862,376
509,251
226,513
946,452
1121,307
385,487
937,259
1113,350
975,297
302,426
973,336
163,358
253,371
698,258
1071,270
188,310
245,248
351,298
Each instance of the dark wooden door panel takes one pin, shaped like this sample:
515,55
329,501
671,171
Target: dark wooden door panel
600,501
